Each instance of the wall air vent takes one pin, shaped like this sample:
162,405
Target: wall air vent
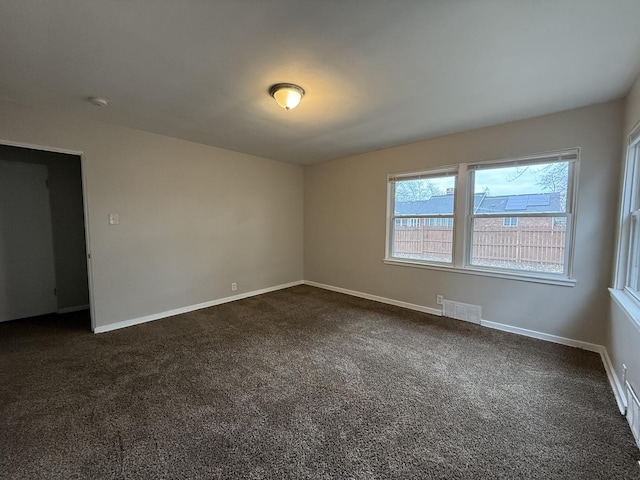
462,311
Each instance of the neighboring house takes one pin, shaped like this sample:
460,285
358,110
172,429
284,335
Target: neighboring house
512,237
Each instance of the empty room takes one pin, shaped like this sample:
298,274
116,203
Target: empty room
358,239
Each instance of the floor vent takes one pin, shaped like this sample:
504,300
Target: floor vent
633,413
462,311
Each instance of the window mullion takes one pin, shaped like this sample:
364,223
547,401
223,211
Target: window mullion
391,194
460,212
569,245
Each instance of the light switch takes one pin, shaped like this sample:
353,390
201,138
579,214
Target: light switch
113,219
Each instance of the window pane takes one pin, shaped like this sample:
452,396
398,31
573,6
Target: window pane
429,196
517,189
419,241
633,281
534,244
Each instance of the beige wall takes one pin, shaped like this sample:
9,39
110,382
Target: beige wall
345,209
623,342
193,218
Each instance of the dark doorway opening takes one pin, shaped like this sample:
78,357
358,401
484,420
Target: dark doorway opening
43,254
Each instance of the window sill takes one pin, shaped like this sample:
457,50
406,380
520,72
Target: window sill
628,304
565,282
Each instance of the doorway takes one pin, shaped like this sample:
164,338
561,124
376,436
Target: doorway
43,244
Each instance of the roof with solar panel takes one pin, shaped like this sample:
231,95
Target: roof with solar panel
482,203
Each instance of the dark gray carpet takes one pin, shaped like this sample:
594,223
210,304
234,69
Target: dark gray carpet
303,383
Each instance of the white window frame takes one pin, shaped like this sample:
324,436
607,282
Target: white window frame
392,217
629,209
463,217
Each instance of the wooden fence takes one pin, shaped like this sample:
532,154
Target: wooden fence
538,248
425,243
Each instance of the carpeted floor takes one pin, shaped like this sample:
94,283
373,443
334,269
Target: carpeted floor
303,383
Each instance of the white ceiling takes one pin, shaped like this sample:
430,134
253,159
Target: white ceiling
377,73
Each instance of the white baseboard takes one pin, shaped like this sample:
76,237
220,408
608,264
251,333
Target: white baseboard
77,308
376,298
616,386
190,308
592,347
618,391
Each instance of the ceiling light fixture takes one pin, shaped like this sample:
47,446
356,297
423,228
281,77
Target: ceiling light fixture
287,95
98,101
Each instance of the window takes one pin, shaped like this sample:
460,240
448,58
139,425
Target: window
533,194
628,265
506,217
424,201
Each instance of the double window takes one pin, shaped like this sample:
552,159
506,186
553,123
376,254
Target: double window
507,217
628,268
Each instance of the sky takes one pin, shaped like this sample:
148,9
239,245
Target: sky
500,181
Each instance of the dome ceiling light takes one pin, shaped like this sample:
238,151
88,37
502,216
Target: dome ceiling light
98,101
287,95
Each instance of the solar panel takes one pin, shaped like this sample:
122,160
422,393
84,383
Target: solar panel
442,205
540,200
517,202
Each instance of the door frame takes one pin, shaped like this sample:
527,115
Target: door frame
85,207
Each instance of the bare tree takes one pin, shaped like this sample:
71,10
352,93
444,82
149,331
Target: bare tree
552,177
416,190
